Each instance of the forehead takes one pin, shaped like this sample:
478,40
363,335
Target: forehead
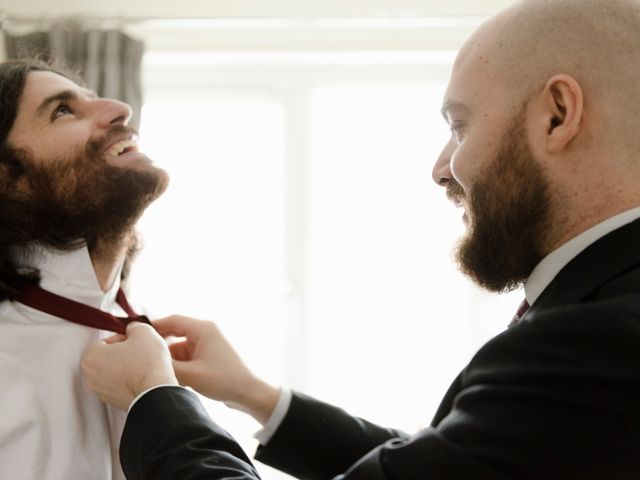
41,85
475,81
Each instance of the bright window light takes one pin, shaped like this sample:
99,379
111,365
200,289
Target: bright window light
303,58
386,305
381,233
215,241
303,219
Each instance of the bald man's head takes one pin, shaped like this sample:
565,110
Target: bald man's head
543,105
597,42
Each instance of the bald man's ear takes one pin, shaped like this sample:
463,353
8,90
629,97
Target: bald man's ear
563,108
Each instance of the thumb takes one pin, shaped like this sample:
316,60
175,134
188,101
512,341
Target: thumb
170,325
139,330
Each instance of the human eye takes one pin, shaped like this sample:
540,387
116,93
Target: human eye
61,110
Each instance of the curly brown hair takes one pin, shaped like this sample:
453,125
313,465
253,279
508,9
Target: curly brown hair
20,219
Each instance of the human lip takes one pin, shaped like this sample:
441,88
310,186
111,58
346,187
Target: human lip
122,145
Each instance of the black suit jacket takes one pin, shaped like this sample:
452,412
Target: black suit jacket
555,397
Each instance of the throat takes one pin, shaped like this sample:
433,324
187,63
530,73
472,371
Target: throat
106,259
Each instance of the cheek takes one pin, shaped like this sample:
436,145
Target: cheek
59,146
469,160
461,167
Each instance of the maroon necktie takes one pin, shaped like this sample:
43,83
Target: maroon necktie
522,309
36,297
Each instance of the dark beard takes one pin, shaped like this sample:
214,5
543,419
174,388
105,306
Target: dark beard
509,214
85,200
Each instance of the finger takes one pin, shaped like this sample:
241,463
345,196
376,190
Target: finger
92,355
173,325
180,350
138,328
115,338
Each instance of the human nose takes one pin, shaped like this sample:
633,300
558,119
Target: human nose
112,112
441,173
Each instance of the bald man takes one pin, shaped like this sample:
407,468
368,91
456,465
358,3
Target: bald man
544,108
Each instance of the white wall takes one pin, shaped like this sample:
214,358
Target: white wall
279,24
251,8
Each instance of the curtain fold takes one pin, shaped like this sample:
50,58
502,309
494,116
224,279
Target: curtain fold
109,61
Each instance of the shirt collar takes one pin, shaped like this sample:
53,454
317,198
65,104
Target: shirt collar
71,275
551,265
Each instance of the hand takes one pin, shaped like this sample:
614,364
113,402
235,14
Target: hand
206,362
120,368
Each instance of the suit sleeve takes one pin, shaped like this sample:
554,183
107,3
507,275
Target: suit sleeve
169,435
555,397
320,440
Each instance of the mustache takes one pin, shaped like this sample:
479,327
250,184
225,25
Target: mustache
455,192
95,147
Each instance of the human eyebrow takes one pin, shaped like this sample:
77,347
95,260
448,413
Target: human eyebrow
63,96
450,106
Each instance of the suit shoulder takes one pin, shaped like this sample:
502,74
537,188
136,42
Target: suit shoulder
622,287
610,312
583,338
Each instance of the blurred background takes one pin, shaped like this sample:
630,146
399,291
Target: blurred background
301,215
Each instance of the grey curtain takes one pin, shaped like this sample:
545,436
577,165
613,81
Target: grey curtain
109,61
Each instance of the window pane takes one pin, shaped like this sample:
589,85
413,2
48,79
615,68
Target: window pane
389,313
215,242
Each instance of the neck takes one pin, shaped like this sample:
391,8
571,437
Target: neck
106,272
106,260
589,217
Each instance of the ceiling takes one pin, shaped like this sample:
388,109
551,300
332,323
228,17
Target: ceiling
249,8
234,25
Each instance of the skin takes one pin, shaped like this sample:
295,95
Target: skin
51,128
580,115
143,352
579,105
120,368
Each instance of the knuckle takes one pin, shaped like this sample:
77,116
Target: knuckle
138,326
211,325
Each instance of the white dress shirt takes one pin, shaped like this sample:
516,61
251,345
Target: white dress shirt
51,426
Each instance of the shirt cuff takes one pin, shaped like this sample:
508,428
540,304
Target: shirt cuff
276,418
147,391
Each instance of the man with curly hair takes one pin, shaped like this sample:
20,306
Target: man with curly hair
72,186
